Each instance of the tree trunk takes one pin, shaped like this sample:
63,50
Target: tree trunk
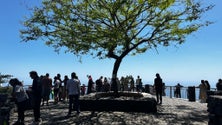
114,86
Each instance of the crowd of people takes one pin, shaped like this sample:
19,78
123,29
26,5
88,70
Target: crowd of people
61,90
68,89
71,88
205,86
39,93
104,84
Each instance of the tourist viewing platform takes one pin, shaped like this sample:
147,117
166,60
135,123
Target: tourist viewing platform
173,111
111,62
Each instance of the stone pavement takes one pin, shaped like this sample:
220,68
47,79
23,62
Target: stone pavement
173,111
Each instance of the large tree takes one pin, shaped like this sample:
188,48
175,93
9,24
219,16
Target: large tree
113,28
4,78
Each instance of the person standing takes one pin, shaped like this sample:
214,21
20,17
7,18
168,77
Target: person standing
36,94
21,99
66,78
46,88
177,91
73,88
164,92
158,85
60,87
106,85
139,84
207,84
99,84
90,84
83,89
203,92
219,85
132,82
56,89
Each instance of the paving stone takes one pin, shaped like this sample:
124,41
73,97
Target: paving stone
173,111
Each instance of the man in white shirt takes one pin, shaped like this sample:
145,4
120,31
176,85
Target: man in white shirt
73,88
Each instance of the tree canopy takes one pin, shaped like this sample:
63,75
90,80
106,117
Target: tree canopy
4,78
113,28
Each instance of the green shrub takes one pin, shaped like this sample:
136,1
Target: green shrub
6,90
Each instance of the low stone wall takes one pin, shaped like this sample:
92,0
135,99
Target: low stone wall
126,102
215,109
209,93
119,105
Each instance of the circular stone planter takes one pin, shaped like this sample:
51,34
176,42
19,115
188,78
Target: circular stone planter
126,102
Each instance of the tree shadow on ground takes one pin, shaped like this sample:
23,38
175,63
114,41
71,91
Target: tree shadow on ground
183,115
55,114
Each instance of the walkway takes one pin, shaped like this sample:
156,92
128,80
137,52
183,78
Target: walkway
173,111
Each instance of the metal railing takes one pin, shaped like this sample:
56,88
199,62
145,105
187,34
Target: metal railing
169,91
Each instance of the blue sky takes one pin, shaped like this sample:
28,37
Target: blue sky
198,58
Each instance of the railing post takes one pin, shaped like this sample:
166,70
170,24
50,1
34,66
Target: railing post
170,91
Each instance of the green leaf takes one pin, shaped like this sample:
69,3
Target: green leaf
166,3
